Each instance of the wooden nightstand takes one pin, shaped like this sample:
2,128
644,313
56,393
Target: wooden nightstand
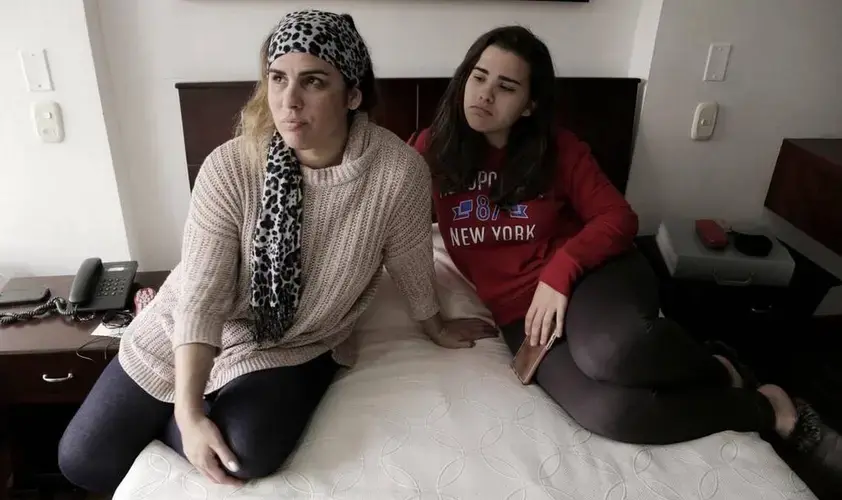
772,328
47,368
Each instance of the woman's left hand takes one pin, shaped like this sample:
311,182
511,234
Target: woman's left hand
461,333
470,329
546,314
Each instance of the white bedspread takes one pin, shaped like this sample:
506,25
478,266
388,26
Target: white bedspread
413,421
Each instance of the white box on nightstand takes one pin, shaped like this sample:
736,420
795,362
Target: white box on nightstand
687,258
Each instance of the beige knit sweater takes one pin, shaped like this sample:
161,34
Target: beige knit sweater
371,210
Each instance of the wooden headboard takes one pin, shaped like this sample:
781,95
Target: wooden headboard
601,111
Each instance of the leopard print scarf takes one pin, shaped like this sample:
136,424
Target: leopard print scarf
276,269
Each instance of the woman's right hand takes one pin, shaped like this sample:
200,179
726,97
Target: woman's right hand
200,438
206,449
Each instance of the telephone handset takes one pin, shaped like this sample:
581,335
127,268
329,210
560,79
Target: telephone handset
102,286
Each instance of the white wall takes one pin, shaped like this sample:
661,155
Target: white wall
643,44
783,80
58,202
115,79
108,98
152,44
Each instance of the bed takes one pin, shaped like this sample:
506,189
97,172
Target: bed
413,421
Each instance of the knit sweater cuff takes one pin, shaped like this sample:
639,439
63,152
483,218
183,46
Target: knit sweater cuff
197,328
413,276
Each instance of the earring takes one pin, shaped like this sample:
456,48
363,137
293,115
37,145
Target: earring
528,110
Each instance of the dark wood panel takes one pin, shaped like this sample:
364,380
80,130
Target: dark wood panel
827,148
805,189
600,110
396,108
36,430
430,93
51,378
210,116
192,172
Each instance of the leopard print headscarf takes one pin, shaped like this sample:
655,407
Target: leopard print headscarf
276,269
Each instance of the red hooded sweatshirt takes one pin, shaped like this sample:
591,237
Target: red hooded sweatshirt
575,226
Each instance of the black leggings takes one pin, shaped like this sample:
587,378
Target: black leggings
261,415
624,373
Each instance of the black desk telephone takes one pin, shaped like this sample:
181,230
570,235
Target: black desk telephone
97,287
102,287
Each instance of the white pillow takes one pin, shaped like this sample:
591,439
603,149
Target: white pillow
457,296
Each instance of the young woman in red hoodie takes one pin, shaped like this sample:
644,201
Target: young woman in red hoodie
530,219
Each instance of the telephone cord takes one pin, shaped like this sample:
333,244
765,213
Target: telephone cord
58,305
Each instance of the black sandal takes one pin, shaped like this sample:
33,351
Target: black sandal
807,434
722,349
815,450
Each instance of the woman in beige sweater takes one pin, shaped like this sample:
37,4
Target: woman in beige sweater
289,228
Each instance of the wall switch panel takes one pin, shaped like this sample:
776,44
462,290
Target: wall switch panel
704,121
35,70
48,121
717,63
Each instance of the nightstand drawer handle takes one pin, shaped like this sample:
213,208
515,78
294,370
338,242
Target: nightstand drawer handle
51,380
727,282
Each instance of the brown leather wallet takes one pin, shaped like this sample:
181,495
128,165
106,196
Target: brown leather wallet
527,358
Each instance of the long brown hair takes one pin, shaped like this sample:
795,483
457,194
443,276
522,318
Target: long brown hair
456,152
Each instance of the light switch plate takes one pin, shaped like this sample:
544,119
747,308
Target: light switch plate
717,63
704,121
49,125
35,70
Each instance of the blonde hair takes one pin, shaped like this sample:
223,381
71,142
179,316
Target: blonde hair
256,125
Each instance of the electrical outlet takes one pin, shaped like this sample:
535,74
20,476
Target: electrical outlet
48,121
704,121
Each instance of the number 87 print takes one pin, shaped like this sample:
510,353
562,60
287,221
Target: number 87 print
484,210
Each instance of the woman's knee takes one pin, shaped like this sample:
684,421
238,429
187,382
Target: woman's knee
609,354
609,314
602,409
257,454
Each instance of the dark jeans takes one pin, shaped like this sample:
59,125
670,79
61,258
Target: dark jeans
261,415
624,373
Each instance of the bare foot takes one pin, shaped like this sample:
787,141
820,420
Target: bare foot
785,414
736,378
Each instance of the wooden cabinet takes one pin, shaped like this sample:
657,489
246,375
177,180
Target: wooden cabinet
47,368
772,328
806,188
61,377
